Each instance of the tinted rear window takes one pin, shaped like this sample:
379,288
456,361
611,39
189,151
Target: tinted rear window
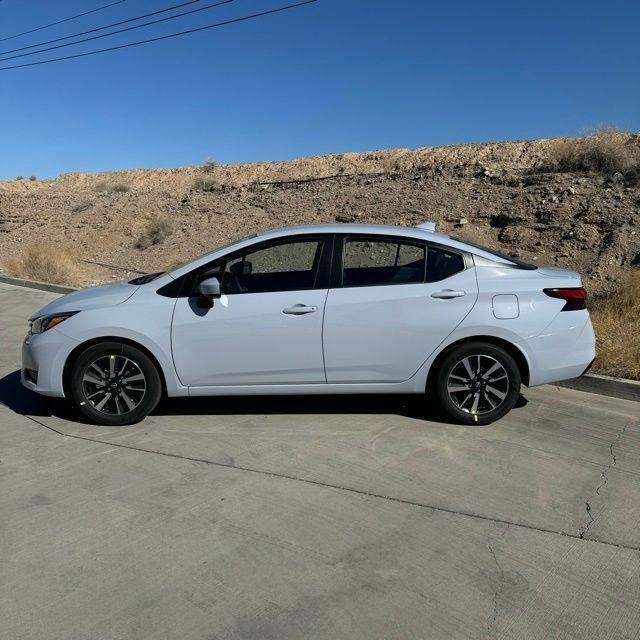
441,264
382,262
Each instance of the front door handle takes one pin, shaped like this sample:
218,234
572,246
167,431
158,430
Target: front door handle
447,294
299,309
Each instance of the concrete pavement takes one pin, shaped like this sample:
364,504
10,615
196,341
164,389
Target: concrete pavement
316,518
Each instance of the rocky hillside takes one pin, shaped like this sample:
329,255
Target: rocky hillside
499,194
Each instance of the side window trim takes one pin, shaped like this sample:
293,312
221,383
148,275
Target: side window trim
329,274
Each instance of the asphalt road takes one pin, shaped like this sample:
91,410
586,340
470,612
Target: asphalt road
316,518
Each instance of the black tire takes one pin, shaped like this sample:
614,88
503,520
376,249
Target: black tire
131,398
458,404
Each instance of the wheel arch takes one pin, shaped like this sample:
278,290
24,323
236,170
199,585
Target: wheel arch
74,355
512,349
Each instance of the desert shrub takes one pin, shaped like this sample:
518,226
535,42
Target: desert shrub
45,262
32,178
616,321
209,166
111,187
607,151
19,178
82,206
119,187
154,233
205,184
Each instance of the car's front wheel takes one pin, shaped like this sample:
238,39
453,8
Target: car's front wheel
114,384
477,383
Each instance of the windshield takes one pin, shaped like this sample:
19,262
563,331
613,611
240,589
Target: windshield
519,263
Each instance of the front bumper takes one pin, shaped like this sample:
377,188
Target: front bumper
43,359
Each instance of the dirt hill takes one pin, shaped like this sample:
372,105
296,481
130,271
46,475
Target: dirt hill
500,194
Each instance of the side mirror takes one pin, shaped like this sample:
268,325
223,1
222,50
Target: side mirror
210,288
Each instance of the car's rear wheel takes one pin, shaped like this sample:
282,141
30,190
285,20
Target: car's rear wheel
114,384
477,383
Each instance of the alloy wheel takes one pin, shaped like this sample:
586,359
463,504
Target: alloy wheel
114,384
478,384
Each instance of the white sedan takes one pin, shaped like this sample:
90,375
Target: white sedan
324,309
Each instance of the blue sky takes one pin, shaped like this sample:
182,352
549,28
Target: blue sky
334,76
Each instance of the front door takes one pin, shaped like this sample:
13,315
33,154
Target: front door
267,326
398,300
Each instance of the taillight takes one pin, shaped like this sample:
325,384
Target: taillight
575,298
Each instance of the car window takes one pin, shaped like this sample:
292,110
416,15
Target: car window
441,264
518,263
286,266
382,262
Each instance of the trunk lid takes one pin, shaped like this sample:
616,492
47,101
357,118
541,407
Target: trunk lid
562,274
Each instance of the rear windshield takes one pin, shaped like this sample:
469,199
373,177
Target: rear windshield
518,263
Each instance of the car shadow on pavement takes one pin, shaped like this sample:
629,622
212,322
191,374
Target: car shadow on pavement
404,405
25,402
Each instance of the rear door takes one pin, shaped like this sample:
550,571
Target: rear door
395,300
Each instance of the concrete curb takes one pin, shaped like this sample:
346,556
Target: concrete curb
591,382
33,284
605,386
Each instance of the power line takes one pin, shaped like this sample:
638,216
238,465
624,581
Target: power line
53,24
107,26
159,38
113,33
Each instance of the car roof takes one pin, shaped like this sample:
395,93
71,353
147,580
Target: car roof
341,227
419,233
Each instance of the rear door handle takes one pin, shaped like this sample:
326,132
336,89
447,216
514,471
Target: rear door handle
447,294
299,309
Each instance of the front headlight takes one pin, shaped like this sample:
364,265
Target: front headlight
44,323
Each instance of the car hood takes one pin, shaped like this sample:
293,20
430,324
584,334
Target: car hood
107,295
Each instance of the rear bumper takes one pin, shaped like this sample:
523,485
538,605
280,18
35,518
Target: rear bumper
565,349
588,367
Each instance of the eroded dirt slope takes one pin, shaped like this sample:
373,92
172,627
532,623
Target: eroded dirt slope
492,193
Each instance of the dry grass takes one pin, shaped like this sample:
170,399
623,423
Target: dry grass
45,262
607,151
206,183
111,187
616,320
154,233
